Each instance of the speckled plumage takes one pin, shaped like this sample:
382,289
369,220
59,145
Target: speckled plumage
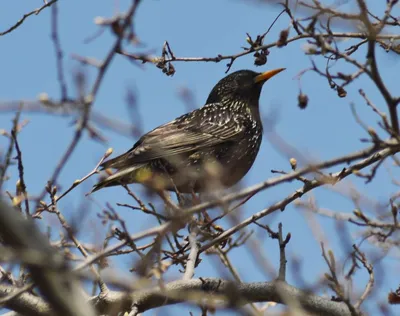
209,148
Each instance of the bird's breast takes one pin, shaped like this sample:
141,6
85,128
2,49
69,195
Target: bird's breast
241,158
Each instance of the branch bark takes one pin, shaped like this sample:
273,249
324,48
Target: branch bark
235,294
54,280
194,291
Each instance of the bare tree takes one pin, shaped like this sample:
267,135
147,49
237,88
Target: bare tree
52,276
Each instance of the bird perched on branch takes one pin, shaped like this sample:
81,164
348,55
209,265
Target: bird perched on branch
212,147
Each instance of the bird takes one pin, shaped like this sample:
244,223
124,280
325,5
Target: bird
209,148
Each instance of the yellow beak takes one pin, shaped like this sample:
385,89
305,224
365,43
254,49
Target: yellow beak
267,75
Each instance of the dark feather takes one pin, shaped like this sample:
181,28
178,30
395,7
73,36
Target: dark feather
206,127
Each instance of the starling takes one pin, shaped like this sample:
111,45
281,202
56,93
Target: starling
209,148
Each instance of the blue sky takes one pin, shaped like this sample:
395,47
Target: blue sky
326,129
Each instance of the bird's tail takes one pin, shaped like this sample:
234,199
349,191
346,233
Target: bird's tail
118,162
123,176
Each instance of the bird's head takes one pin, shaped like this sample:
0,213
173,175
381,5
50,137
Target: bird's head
242,85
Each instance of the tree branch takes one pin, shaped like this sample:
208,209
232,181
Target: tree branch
195,290
56,284
36,12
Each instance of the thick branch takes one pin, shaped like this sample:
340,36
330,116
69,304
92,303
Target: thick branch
195,291
235,293
25,303
56,284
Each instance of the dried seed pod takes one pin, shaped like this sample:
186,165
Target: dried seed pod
283,36
171,70
303,100
159,62
394,297
341,92
260,59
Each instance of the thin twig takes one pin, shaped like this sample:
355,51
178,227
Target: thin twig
297,194
368,288
58,51
36,12
22,183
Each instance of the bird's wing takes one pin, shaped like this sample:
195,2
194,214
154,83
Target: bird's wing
202,128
